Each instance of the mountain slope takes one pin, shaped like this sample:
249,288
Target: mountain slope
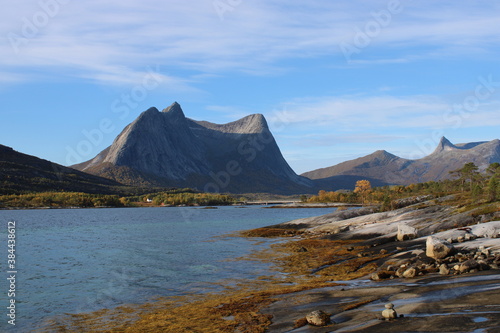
167,149
21,173
376,165
384,168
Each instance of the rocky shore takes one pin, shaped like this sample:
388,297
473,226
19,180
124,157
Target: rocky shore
436,263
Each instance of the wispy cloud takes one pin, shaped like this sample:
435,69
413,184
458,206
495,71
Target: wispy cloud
368,121
111,41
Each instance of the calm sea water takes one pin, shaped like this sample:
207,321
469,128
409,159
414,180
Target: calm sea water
79,260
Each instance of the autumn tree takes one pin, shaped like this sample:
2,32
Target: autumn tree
363,188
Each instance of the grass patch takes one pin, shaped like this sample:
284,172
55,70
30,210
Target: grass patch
330,259
486,209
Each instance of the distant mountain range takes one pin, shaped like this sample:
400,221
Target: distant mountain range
167,149
383,168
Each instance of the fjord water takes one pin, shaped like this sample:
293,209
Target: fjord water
80,260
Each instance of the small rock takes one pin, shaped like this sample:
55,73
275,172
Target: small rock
444,270
318,318
410,273
483,265
406,232
469,237
389,312
380,275
383,251
460,239
437,249
468,265
400,271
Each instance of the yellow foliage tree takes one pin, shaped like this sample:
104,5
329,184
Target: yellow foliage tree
363,188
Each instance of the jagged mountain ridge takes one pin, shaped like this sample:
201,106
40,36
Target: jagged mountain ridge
383,168
167,149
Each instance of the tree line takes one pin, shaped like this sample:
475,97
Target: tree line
475,186
61,199
174,197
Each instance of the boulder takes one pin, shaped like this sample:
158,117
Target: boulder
437,248
318,318
406,232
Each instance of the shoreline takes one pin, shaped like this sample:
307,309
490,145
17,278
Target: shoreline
325,263
269,206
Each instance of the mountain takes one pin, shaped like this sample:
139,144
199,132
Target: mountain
21,173
167,149
383,168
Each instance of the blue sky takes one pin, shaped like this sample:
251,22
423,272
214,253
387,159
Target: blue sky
336,80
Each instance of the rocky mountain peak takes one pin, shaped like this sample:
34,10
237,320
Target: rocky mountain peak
254,123
444,145
383,154
174,109
174,113
167,149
